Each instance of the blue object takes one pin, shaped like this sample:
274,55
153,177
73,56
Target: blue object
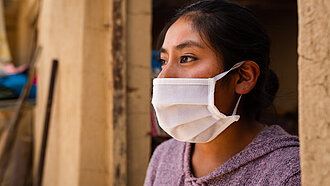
154,60
16,83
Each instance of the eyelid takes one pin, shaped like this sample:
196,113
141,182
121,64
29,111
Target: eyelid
189,55
162,55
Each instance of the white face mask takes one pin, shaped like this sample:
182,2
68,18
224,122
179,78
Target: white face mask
185,108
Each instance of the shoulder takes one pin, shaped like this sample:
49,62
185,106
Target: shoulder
272,158
281,159
166,162
283,164
168,149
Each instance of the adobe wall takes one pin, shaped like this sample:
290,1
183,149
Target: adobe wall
314,90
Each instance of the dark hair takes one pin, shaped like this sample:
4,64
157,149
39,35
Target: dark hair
235,34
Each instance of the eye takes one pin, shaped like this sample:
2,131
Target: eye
162,61
187,59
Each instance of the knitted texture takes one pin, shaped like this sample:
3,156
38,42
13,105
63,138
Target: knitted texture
272,158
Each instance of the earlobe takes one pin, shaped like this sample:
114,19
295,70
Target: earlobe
248,75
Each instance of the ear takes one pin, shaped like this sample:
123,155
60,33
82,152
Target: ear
248,76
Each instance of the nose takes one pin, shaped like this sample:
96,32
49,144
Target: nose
169,71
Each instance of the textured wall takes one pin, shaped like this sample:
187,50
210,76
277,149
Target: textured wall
138,89
60,36
77,34
314,90
100,116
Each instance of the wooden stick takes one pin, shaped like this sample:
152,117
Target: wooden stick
39,177
9,135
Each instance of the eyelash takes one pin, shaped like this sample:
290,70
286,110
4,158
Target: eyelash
164,62
189,57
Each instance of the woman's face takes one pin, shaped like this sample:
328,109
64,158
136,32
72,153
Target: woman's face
184,54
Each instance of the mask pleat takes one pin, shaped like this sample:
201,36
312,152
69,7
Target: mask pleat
193,128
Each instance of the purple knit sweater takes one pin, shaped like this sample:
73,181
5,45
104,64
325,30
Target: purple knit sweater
272,158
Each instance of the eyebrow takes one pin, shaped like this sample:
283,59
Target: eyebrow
185,44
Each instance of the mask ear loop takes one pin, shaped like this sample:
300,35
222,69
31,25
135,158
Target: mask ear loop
237,65
236,106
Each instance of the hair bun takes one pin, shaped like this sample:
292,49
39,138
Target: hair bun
271,85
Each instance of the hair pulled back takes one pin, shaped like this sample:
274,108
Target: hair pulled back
234,33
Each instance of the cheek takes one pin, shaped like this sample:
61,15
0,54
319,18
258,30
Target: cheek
203,69
224,97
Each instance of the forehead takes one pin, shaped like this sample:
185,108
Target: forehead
181,31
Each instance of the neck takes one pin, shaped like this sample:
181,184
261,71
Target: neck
206,157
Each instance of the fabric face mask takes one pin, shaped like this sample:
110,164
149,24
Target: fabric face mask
185,108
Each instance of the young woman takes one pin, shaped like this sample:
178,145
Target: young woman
214,82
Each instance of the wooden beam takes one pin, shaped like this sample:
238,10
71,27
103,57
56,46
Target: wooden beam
119,94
